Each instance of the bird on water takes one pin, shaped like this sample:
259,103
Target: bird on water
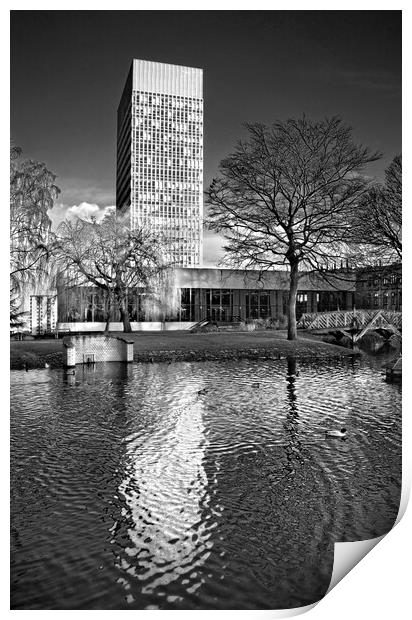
341,433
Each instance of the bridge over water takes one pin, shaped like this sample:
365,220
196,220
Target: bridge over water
353,323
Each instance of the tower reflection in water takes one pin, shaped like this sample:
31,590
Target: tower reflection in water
164,488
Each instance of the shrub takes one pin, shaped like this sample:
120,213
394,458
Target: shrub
345,341
205,329
329,338
372,341
283,321
395,341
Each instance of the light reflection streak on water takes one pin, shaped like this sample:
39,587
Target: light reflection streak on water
165,489
145,494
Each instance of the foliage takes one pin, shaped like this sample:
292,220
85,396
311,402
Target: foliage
32,194
377,226
17,316
110,256
162,296
286,197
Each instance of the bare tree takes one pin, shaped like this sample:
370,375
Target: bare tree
109,256
32,194
377,225
285,197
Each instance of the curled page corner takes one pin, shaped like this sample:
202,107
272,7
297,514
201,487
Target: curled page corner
347,555
270,614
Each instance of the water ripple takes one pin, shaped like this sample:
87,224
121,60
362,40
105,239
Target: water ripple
196,486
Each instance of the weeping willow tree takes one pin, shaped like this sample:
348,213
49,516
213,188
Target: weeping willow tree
32,194
162,297
112,257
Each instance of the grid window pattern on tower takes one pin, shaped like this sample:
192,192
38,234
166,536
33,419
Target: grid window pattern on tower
166,158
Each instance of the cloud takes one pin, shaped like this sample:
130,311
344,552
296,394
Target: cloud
212,242
375,80
84,210
212,248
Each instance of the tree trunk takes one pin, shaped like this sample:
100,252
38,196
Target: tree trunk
107,326
121,299
294,278
109,312
124,317
124,314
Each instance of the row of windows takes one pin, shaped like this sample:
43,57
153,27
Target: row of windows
163,138
178,133
156,158
171,173
386,280
386,299
82,304
137,179
157,222
191,227
169,149
174,231
187,201
154,184
139,154
174,128
177,101
168,136
194,194
194,111
188,162
185,207
167,143
170,124
163,119
155,169
172,236
217,304
147,195
182,199
169,108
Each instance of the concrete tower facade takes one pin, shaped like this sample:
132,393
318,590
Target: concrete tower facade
159,182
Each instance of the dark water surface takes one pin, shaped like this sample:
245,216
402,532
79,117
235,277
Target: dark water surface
130,490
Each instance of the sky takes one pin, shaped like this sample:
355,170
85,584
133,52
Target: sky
68,70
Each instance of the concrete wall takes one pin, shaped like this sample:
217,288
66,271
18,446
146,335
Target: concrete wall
196,277
96,348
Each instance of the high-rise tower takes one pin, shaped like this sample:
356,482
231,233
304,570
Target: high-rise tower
160,155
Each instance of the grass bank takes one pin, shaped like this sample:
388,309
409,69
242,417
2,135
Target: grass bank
186,346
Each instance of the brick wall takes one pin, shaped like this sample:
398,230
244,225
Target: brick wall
96,348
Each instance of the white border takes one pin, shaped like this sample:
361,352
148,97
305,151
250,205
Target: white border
378,587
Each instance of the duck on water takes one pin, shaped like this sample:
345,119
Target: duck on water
339,434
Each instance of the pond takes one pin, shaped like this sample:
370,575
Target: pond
206,485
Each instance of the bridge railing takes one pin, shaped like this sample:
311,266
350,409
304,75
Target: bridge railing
346,319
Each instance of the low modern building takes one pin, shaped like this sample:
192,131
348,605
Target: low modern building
220,295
